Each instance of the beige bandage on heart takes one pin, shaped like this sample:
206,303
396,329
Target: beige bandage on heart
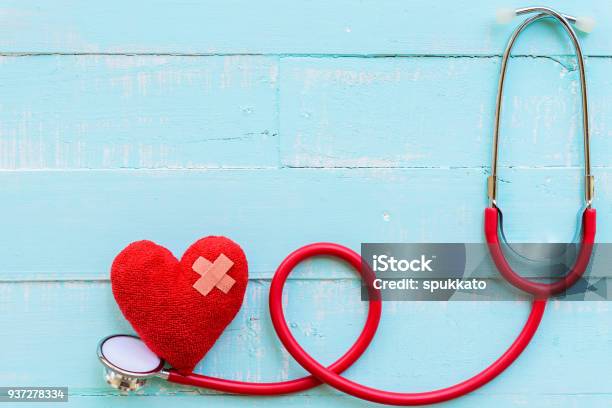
214,274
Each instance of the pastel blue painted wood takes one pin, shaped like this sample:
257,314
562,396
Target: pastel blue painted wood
372,113
421,345
342,27
277,125
87,217
407,349
336,401
98,112
138,112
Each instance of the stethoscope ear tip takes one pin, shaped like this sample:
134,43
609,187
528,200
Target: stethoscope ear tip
586,24
504,15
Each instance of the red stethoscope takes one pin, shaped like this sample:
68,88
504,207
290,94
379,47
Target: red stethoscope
129,363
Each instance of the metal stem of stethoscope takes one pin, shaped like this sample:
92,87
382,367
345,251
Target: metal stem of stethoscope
565,21
493,214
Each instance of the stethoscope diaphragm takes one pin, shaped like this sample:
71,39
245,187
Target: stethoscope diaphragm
128,362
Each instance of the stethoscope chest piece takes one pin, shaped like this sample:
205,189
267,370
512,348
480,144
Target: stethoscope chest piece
128,362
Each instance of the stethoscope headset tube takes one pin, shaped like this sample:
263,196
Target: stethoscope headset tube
493,214
128,380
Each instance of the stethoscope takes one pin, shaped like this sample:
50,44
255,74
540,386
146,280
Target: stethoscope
493,214
129,363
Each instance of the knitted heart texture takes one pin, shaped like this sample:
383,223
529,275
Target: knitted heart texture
180,308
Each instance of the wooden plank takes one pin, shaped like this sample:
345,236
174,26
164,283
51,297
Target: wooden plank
438,112
52,330
138,112
71,224
339,27
92,112
501,401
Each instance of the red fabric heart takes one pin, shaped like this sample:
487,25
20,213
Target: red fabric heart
156,295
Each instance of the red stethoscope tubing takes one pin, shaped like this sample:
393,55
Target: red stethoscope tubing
371,394
304,383
330,375
541,290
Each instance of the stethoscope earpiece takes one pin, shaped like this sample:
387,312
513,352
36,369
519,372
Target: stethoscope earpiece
585,24
128,362
504,15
